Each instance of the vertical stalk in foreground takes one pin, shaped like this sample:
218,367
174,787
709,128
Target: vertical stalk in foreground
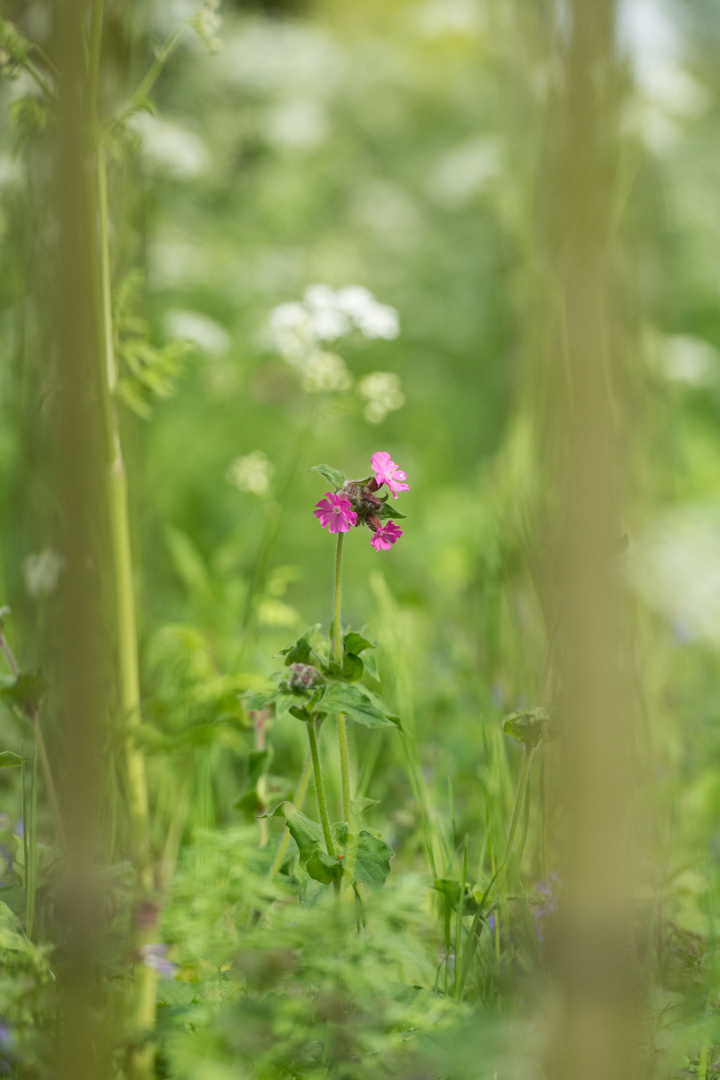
79,662
146,931
585,378
141,1062
338,658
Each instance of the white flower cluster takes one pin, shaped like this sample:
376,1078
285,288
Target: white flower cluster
382,395
325,314
300,330
325,372
206,23
251,473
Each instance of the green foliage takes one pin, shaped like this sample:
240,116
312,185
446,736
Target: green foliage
150,371
364,858
333,476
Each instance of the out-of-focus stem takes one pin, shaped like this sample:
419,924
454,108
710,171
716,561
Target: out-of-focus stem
142,1058
338,658
587,429
129,679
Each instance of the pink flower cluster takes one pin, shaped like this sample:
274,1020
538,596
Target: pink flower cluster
335,512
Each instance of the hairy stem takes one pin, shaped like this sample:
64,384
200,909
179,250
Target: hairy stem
338,657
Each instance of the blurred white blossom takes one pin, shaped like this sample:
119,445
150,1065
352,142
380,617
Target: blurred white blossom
690,360
206,23
194,326
297,124
293,332
382,393
437,17
251,473
329,321
42,571
324,314
388,210
283,58
372,319
169,148
325,372
676,568
464,170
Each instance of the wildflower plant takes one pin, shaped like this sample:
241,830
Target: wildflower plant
324,678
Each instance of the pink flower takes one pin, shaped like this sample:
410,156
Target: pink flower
334,513
386,536
387,472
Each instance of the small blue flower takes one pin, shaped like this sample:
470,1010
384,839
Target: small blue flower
155,957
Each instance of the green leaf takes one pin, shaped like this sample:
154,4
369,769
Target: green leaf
355,702
306,833
300,713
176,992
380,704
389,512
8,760
371,666
352,669
340,833
372,860
527,725
300,652
12,936
258,762
250,804
324,868
333,476
257,700
356,643
26,692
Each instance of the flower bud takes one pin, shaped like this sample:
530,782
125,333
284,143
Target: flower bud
303,677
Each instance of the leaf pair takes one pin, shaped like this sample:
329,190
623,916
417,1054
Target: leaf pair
364,858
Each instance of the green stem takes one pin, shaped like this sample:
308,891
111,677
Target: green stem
338,657
320,787
142,1057
162,56
337,598
122,564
